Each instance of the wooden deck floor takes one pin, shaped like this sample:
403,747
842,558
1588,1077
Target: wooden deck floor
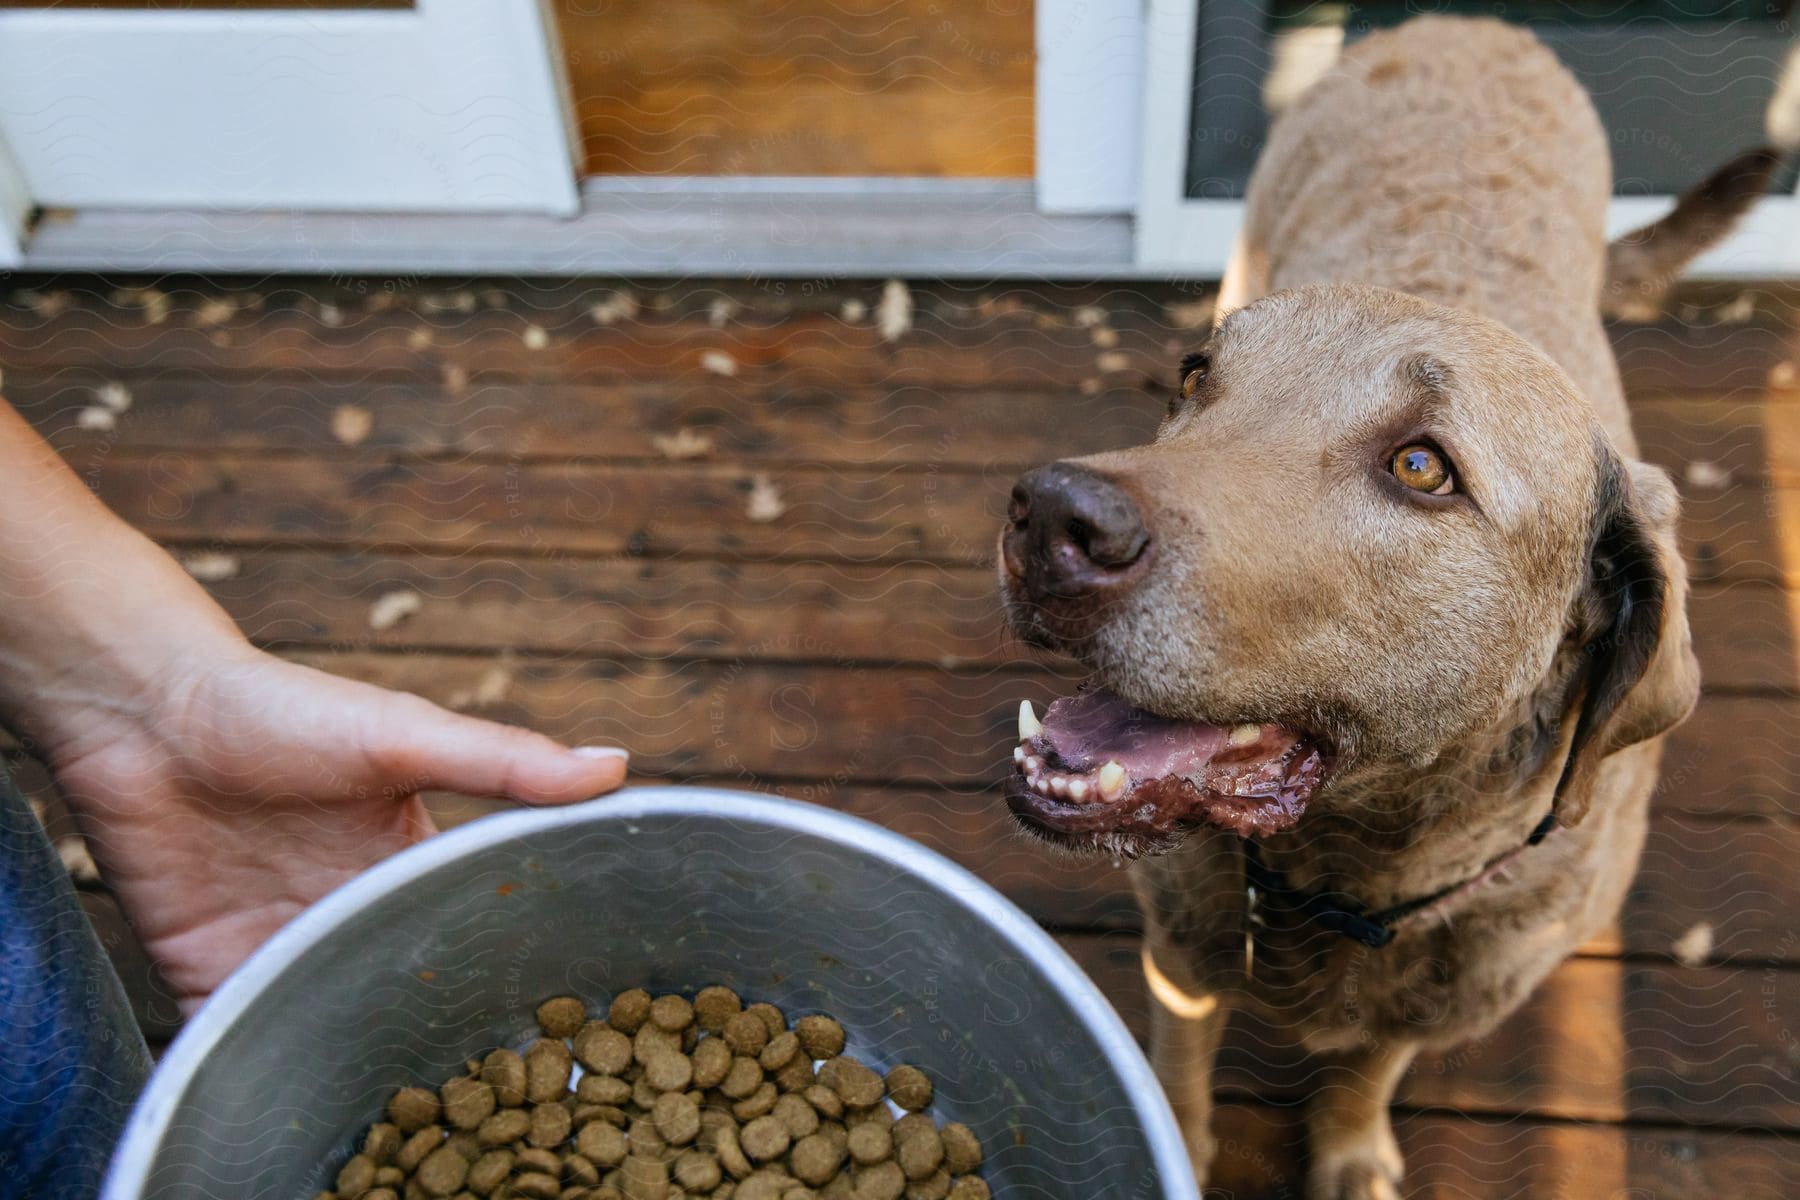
740,530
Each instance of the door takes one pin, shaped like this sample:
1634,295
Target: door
428,106
1680,85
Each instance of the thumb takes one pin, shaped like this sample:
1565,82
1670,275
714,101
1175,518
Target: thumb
418,745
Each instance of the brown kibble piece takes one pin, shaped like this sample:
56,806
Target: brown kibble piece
698,1171
381,1193
746,1034
489,1171
796,1075
743,1078
504,1071
909,1088
759,1103
878,1116
820,1037
536,1185
550,1125
671,1072
653,1040
467,1102
677,1118
770,1016
579,1171
934,1186
645,1178
602,1048
413,1108
389,1177
858,1085
910,1124
601,1143
800,1117
382,1143
782,1049
714,1006
416,1147
883,1181
962,1150
629,1011
547,1070
920,1154
442,1172
671,1013
970,1187
356,1176
828,1102
465,1143
561,1016
712,1059
731,1153
815,1160
507,1125
538,1159
870,1144
764,1138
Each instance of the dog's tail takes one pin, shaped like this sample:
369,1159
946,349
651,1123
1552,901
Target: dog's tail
1641,266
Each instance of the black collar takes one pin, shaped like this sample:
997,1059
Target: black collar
1344,913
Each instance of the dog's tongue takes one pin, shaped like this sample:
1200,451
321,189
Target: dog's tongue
1098,764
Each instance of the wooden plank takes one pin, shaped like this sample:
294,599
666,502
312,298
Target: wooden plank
1736,754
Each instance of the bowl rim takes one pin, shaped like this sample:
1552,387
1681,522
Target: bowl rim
129,1170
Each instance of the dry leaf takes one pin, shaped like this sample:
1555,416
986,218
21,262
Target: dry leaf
331,316
351,424
1091,386
620,306
211,567
47,304
1088,317
391,608
683,443
113,396
853,311
1695,946
215,311
1113,360
1737,311
76,860
455,379
765,503
1193,314
721,310
893,316
719,362
418,339
1103,337
1706,475
489,690
535,337
96,419
1783,375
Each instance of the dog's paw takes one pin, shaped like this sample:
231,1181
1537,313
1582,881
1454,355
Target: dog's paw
1368,1170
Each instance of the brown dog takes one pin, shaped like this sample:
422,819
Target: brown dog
1386,622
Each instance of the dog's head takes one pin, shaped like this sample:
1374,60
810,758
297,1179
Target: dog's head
1371,532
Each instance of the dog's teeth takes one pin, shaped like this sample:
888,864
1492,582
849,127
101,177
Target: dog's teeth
1029,725
1243,735
1078,790
1019,754
1060,785
1033,764
1111,780
1036,781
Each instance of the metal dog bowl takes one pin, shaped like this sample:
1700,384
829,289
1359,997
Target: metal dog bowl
443,952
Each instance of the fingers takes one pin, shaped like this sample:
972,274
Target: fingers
416,745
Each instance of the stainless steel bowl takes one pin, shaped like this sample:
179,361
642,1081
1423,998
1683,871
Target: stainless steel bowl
443,952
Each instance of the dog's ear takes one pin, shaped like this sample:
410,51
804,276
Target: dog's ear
1639,675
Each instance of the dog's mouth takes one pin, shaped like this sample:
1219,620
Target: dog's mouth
1100,772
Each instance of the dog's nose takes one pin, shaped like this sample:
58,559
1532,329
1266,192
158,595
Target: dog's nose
1072,532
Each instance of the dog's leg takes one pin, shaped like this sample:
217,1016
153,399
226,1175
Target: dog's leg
1354,1155
1185,1026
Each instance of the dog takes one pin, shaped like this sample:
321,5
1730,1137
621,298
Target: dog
1386,623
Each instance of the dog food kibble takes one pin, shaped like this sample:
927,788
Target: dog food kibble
666,1098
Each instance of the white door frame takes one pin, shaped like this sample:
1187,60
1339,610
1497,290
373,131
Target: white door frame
1178,235
15,208
450,106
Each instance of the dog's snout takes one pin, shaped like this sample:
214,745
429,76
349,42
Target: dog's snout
1072,532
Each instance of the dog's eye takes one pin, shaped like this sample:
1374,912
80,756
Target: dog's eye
1423,469
1193,373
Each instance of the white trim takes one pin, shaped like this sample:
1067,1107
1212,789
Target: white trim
15,208
816,228
1090,65
451,106
1179,236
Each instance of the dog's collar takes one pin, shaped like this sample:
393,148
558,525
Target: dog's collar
1339,911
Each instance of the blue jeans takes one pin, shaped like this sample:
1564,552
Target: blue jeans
71,1057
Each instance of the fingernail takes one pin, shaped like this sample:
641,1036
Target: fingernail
618,752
